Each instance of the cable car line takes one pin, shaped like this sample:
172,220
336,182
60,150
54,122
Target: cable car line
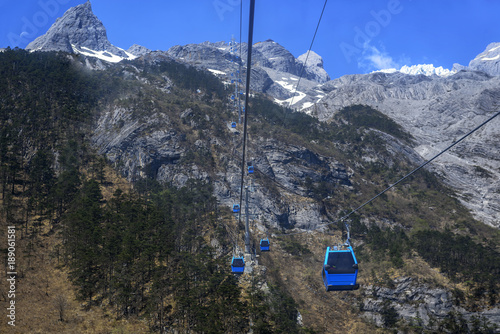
241,22
264,243
247,89
240,63
238,262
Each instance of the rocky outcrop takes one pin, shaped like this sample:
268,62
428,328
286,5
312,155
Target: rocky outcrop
205,55
120,136
270,54
418,304
273,55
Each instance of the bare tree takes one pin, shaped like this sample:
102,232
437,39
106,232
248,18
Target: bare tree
61,304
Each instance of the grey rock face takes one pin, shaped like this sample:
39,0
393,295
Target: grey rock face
276,57
488,61
437,111
203,56
275,70
152,145
272,55
119,136
282,199
79,27
314,67
416,303
138,50
457,68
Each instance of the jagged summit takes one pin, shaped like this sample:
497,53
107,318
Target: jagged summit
273,55
79,31
426,69
276,57
422,69
314,66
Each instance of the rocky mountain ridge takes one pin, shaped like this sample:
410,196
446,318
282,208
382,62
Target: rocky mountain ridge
275,71
487,61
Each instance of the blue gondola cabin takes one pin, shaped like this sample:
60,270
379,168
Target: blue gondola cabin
250,167
233,124
237,265
264,245
340,269
236,208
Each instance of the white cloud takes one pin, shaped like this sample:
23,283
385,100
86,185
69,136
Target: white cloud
374,59
379,59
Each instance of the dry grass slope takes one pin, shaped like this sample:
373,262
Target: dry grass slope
45,298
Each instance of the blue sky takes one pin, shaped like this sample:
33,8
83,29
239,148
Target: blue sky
355,36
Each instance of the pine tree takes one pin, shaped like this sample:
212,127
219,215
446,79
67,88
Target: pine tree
84,240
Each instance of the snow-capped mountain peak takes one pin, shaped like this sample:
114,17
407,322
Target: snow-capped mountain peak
488,61
425,69
80,31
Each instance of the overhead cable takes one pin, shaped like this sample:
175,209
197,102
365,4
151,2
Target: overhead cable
307,56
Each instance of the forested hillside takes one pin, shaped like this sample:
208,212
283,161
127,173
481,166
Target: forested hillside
145,253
